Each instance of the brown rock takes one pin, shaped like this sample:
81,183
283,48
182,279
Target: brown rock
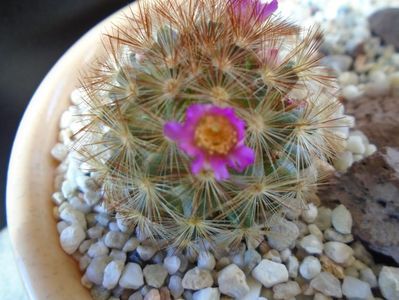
385,24
370,190
377,118
329,266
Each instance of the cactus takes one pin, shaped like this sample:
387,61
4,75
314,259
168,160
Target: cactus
208,119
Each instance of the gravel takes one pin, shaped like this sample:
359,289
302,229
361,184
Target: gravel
196,279
270,273
232,282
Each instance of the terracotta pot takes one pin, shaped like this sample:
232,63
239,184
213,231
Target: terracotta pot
47,271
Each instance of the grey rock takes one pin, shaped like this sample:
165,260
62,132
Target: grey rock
270,273
354,288
389,282
95,270
282,235
175,286
286,290
232,282
115,239
327,284
132,277
155,275
385,23
196,279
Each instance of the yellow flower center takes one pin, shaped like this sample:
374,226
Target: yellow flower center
215,135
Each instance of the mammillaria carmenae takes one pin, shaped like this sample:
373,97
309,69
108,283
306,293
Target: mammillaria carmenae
207,118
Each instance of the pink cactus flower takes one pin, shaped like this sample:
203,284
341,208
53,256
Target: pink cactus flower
255,8
214,137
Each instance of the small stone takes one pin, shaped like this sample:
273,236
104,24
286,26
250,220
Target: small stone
332,235
361,253
354,288
95,270
73,216
146,252
165,293
155,275
95,232
293,266
251,259
131,245
270,273
341,164
61,226
311,244
285,254
348,78
282,235
59,151
132,277
314,230
71,237
112,273
323,220
310,267
368,276
206,260
342,219
286,290
98,249
84,262
338,252
172,264
118,255
351,92
58,198
309,214
115,239
175,286
232,282
255,288
273,255
92,197
84,246
329,266
196,279
207,294
153,295
136,296
352,272
68,189
389,282
327,284
339,63
100,293
319,296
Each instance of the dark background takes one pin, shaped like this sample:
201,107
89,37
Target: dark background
33,35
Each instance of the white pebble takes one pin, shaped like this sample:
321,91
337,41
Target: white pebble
368,276
270,273
196,279
95,270
59,151
132,277
370,150
73,216
118,255
172,264
351,92
131,245
338,252
293,266
327,284
61,226
355,145
207,294
343,161
95,232
115,239
71,237
286,290
348,78
146,252
341,219
112,273
389,282
311,244
310,267
282,235
206,260
232,282
68,189
175,286
354,288
92,197
155,275
98,249
309,213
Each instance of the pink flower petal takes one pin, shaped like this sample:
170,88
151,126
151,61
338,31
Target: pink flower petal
241,158
265,10
173,130
198,164
219,167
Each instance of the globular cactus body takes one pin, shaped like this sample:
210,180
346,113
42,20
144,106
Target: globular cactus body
209,118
